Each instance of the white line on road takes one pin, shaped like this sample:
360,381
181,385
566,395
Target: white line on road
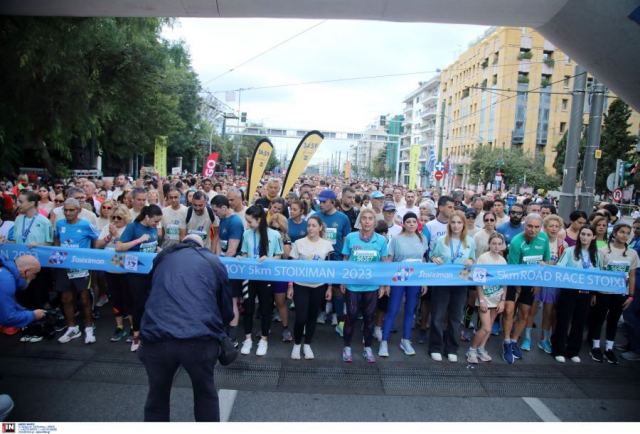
543,412
226,398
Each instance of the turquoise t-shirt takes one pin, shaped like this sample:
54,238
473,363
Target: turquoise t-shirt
569,260
251,243
36,229
364,251
455,252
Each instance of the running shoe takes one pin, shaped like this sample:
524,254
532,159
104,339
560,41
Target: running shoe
560,359
276,317
334,319
89,337
340,329
405,345
383,351
295,351
422,336
526,345
483,355
322,318
104,299
25,338
346,355
135,344
453,358
118,335
611,357
632,356
286,335
507,353
308,353
596,355
246,346
71,333
516,350
472,356
35,339
377,333
263,346
575,359
545,346
436,357
368,355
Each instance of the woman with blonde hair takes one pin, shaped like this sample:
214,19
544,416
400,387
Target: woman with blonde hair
106,210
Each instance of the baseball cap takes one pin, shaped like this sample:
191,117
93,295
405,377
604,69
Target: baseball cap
377,195
389,206
326,195
470,213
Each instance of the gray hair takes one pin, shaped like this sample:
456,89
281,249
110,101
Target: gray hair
72,202
532,216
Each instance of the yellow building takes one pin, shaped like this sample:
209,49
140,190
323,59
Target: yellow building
485,102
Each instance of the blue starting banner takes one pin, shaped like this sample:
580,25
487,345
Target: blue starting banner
342,272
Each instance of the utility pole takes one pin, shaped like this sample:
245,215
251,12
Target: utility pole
569,178
441,140
593,142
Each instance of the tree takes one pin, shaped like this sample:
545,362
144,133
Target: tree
561,151
615,142
379,169
516,168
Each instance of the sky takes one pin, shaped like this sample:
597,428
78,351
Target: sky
317,50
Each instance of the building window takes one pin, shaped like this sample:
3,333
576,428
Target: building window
496,57
523,78
565,104
545,80
567,78
517,137
563,126
494,80
542,130
525,54
547,58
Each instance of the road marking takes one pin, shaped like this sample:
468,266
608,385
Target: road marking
543,412
227,398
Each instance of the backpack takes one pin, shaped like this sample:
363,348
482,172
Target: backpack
212,217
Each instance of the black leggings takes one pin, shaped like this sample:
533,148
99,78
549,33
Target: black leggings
307,301
571,312
366,303
607,306
139,287
265,299
120,294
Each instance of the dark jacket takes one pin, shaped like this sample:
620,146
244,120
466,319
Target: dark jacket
11,313
190,296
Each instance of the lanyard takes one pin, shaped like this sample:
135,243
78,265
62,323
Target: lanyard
256,248
453,258
585,264
27,231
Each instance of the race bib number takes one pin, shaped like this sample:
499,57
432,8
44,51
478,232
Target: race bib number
224,244
77,274
618,266
490,290
531,260
331,234
200,232
149,247
365,255
173,232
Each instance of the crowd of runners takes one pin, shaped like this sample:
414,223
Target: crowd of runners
333,219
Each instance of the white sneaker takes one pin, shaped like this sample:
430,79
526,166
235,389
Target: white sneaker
246,346
295,352
334,320
322,318
560,359
308,354
472,356
89,337
576,359
71,333
405,345
383,351
437,357
377,333
452,358
483,355
263,345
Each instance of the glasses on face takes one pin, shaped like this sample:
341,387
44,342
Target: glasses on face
515,213
489,220
174,197
116,217
106,207
58,187
58,200
70,210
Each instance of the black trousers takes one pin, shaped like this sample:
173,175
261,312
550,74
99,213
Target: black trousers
572,308
307,301
607,306
120,293
162,359
265,298
139,287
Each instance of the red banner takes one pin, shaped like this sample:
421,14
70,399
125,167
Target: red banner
210,166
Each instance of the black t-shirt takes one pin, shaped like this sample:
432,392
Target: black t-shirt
352,214
265,203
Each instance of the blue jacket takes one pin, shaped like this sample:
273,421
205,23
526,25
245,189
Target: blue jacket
190,296
11,313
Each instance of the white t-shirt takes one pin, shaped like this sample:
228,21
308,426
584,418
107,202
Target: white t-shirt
210,195
308,250
84,215
403,210
436,229
102,222
104,233
481,238
200,225
493,293
5,227
172,221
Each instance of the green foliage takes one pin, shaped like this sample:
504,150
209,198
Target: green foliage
486,161
379,169
615,142
561,151
73,85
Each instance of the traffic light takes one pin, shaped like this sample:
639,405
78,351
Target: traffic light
626,172
243,117
383,121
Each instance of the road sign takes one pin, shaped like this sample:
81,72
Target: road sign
617,195
438,175
611,181
439,166
598,154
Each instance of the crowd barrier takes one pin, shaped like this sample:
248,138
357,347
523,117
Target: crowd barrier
341,272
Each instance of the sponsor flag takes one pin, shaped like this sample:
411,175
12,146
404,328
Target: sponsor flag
301,158
347,169
261,156
414,156
160,155
210,165
432,160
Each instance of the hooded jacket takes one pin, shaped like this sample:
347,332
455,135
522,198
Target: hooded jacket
190,296
11,313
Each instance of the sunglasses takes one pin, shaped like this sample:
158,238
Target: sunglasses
58,187
106,207
116,217
489,220
59,200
